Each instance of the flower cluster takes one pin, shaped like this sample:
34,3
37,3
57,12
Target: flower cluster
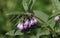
27,24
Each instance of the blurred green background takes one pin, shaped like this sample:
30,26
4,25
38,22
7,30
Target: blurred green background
7,22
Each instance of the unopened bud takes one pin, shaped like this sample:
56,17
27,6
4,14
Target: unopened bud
56,18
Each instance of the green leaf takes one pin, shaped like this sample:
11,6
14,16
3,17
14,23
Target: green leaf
57,27
57,30
18,32
32,36
15,13
31,3
11,33
56,3
25,5
51,23
55,14
41,15
43,31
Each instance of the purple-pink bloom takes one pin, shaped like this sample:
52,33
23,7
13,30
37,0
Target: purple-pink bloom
26,24
56,18
20,26
34,20
31,22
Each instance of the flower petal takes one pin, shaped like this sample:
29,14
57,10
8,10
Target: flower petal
26,24
20,26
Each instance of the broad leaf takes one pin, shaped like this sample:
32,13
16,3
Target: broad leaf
56,3
18,32
43,31
11,33
41,15
51,23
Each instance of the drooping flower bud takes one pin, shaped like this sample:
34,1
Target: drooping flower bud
56,18
20,26
26,24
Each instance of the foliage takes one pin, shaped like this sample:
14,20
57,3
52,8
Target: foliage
44,10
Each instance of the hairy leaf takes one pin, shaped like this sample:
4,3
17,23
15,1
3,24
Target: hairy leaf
41,15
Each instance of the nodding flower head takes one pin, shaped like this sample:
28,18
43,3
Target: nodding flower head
26,24
56,18
31,20
20,26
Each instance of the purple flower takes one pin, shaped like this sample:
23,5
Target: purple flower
20,26
32,21
56,18
26,24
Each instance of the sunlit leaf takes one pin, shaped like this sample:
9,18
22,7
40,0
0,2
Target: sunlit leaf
41,15
11,33
51,23
56,3
18,32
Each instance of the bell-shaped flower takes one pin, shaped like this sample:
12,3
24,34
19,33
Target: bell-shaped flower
26,24
20,26
32,21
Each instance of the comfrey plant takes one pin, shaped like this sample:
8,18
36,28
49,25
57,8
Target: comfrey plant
30,21
36,23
